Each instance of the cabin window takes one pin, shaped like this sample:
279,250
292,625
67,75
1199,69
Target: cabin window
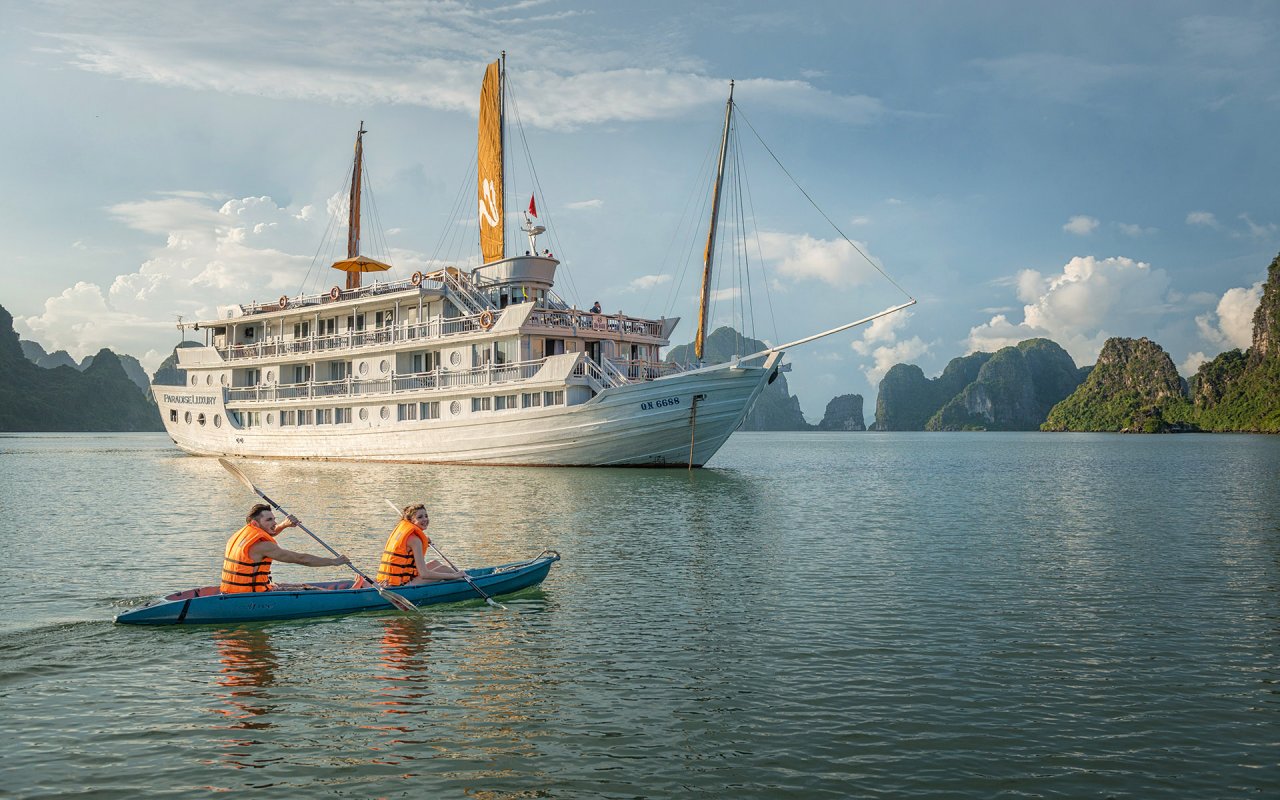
324,416
173,415
302,373
341,416
384,412
555,398
406,412
301,330
364,414
328,327
426,361
248,333
481,355
306,417
339,370
217,420
288,417
383,319
430,410
355,322
455,408
505,402
187,417
531,399
481,404
200,419
506,351
555,347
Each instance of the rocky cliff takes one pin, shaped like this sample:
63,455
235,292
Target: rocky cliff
907,400
1013,391
168,374
101,398
1241,391
775,409
844,413
1134,388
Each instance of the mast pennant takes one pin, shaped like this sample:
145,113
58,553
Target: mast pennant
489,180
533,208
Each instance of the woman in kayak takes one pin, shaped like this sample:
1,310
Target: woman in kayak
246,564
404,559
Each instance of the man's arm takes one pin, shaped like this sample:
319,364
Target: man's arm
275,552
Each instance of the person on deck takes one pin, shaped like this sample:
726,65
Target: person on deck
404,558
246,564
595,309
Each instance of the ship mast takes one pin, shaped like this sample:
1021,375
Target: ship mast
711,234
502,145
353,213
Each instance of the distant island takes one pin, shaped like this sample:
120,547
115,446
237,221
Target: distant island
1133,388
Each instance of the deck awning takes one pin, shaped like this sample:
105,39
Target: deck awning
361,264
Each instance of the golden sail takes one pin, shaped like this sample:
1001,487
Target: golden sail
490,165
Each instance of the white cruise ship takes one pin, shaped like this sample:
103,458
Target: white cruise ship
477,366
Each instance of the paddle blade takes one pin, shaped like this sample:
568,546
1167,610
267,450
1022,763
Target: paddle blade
238,475
397,601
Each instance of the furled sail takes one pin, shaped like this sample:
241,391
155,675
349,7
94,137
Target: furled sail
490,165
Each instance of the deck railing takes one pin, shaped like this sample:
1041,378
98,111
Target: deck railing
487,375
575,321
325,298
374,337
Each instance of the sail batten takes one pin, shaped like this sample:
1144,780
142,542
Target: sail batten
490,163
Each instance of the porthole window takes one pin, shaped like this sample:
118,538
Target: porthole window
223,379
187,417
455,358
217,420
384,366
384,412
194,378
208,380
200,419
364,413
455,408
271,419
271,376
364,367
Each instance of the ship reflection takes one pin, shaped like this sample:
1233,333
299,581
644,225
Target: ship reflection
404,677
247,673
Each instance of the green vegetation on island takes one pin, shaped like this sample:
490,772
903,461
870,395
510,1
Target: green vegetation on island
1013,390
102,397
1134,388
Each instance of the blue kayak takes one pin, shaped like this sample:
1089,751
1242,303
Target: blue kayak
208,605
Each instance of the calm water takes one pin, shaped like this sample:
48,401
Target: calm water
819,615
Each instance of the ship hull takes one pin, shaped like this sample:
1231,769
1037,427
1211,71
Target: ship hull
679,420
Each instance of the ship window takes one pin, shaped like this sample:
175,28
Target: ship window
383,366
302,374
555,347
406,412
364,367
341,415
271,376
364,413
223,379
301,330
555,398
455,358
339,370
455,408
430,410
194,378
532,399
324,416
217,420
481,354
505,402
270,418
173,415
200,419
187,417
306,416
506,351
248,333
481,404
208,380
355,323
384,412
328,327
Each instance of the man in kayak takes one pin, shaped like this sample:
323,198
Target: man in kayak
404,559
246,564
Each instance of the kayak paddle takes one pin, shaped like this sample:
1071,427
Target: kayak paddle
446,560
391,597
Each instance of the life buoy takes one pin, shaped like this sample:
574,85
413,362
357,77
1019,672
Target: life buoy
335,293
486,319
416,279
284,301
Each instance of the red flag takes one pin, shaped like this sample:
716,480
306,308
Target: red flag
533,209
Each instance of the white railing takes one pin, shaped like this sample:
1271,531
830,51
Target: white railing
582,320
488,375
432,329
640,370
325,298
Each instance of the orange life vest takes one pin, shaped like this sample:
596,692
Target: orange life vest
240,573
398,567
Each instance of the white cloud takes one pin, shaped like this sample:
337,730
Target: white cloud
647,282
1230,324
879,341
802,257
426,56
1090,301
1191,364
856,221
1081,225
593,203
207,255
1129,229
1203,218
1259,231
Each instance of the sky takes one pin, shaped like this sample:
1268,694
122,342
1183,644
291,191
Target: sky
1076,171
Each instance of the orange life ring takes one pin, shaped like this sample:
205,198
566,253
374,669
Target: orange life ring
335,293
486,319
416,280
284,301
